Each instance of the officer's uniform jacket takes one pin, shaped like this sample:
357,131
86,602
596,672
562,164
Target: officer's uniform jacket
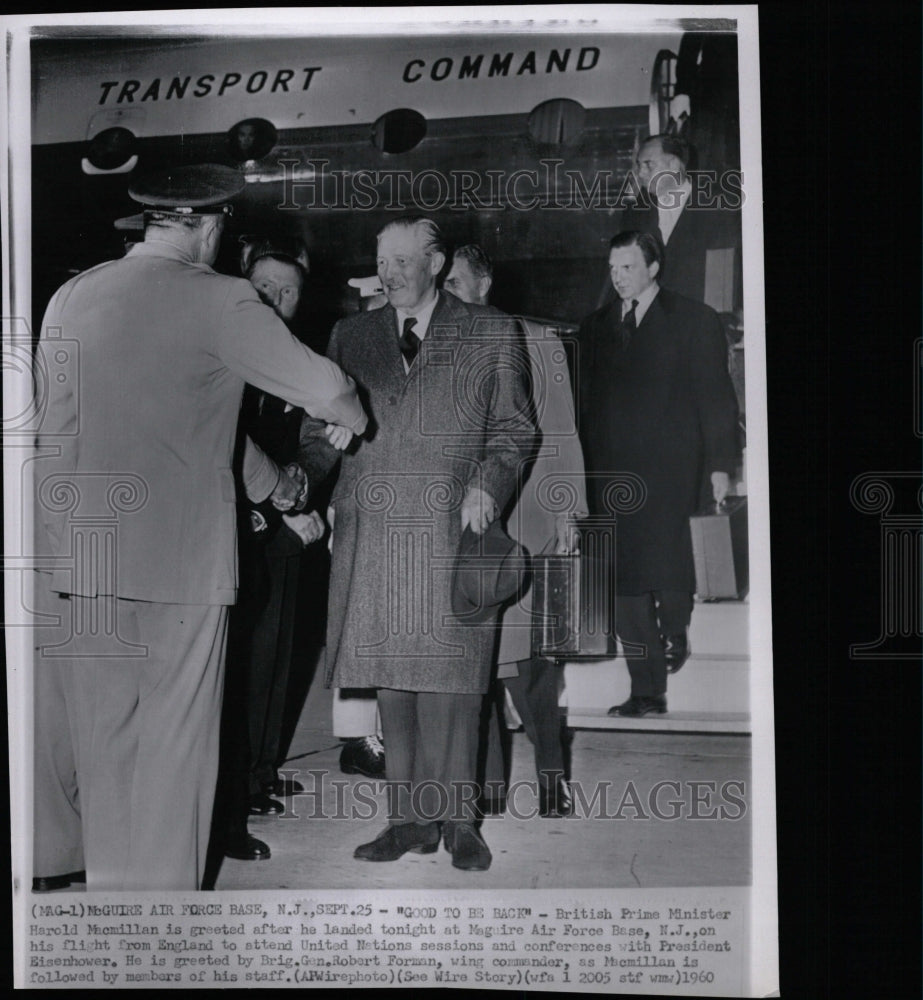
142,431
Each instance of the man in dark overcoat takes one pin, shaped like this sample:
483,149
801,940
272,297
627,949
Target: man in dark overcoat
656,409
443,384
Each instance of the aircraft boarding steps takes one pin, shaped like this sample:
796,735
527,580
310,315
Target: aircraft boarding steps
710,694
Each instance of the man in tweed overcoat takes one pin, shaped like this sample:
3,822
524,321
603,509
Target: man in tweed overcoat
444,385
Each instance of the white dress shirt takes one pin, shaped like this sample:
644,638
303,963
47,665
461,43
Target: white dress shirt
667,217
644,300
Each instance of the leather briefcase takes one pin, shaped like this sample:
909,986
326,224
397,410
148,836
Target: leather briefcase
719,550
573,607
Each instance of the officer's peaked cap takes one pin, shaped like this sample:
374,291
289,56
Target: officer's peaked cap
202,189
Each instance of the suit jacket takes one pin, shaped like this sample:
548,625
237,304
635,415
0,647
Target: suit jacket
663,410
143,437
265,429
460,418
697,231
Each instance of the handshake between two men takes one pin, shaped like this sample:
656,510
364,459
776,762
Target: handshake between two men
291,491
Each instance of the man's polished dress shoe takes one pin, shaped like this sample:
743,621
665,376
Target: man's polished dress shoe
49,883
676,651
555,802
364,755
262,805
391,843
467,847
246,848
640,705
283,787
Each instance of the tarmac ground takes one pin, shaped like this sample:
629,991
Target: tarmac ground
654,809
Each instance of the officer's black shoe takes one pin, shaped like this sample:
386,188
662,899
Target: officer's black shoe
246,848
49,883
262,805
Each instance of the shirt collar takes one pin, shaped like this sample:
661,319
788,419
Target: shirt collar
423,318
676,200
644,300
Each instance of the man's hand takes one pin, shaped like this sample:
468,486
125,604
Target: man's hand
478,510
720,481
308,527
299,475
338,435
566,536
288,490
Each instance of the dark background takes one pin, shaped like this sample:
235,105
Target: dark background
841,175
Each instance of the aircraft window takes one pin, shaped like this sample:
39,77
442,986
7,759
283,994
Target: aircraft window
558,122
398,131
111,148
251,139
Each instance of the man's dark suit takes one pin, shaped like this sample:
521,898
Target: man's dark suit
271,614
697,231
260,628
663,409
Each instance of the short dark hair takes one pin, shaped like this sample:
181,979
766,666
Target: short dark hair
481,265
672,145
650,245
286,250
281,259
433,240
154,219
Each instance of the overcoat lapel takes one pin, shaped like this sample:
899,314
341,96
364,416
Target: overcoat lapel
384,342
654,316
446,321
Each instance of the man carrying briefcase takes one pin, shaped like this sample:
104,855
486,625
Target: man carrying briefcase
655,402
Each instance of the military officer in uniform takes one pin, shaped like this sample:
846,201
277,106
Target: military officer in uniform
166,346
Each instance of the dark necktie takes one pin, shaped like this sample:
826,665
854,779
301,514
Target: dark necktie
409,342
628,326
